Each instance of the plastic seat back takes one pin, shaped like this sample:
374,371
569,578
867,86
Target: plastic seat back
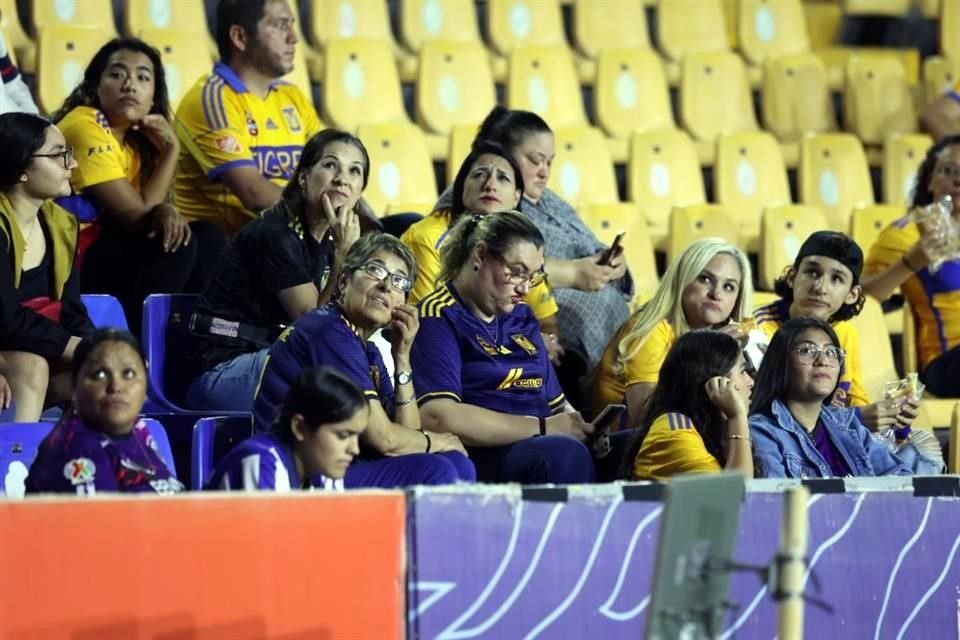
715,95
455,85
542,79
19,442
63,53
782,232
520,23
902,155
607,24
401,166
104,311
160,312
766,29
213,438
361,84
834,176
695,222
583,172
796,97
684,27
631,92
422,21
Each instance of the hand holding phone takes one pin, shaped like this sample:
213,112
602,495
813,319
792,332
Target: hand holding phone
611,417
607,256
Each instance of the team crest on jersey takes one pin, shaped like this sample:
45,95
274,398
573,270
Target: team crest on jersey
524,343
375,376
252,126
80,470
228,144
293,120
491,350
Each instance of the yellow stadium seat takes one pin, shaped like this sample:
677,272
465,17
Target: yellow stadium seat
62,56
750,176
401,170
74,13
782,231
894,8
461,139
867,222
422,21
796,100
18,42
902,155
607,220
876,355
766,29
714,98
183,64
663,172
934,411
731,17
694,222
582,172
361,85
950,29
521,23
684,27
631,92
824,20
835,59
609,24
953,454
877,100
158,16
834,176
455,85
542,79
939,76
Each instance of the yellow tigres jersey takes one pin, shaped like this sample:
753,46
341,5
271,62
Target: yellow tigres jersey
221,125
100,156
608,387
673,445
424,238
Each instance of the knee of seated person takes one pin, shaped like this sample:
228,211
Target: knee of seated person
465,470
566,459
28,370
441,469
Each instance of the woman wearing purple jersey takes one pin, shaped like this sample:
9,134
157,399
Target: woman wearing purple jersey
101,444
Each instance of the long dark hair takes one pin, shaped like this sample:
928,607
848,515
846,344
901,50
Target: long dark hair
922,195
85,94
89,344
497,231
694,358
773,378
293,193
510,127
480,148
21,136
322,395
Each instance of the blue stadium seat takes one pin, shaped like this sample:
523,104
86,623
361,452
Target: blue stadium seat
104,311
213,438
19,442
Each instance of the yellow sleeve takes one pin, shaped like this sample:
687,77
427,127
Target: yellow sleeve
311,122
211,126
541,301
421,240
99,155
851,392
891,245
644,366
673,446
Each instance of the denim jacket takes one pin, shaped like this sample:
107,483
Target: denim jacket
784,450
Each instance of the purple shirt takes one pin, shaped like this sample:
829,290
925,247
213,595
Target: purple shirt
833,457
74,458
263,463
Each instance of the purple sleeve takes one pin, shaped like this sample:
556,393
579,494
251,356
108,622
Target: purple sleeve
436,361
341,349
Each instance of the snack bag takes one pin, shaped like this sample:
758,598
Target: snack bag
940,233
905,442
909,387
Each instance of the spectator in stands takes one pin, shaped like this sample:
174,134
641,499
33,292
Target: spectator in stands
489,180
372,287
277,268
797,432
941,118
241,127
14,93
311,443
710,285
696,418
42,318
824,282
118,120
481,368
101,444
592,298
899,259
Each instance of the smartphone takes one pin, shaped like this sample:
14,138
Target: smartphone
610,418
617,245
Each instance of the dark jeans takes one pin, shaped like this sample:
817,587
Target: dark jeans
130,266
542,460
942,375
448,467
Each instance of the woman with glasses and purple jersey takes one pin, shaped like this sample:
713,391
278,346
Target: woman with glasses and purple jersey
42,318
481,369
796,431
371,293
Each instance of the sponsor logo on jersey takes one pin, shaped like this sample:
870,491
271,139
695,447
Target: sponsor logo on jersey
80,470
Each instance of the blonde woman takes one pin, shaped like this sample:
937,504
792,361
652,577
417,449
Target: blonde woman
709,285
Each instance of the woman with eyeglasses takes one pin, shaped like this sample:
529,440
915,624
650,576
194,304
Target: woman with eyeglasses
42,318
371,293
899,258
481,369
133,242
796,431
275,269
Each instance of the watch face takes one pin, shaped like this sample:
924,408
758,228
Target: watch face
403,377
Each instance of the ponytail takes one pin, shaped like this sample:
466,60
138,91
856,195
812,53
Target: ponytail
497,231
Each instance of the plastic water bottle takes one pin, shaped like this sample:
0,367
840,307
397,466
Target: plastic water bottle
940,233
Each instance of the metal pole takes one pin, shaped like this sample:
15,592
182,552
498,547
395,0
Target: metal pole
793,549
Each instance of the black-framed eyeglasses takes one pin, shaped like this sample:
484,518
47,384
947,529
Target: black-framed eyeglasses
810,353
519,277
66,155
378,272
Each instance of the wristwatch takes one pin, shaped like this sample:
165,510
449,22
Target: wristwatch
403,377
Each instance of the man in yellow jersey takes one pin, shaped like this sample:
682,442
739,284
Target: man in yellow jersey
941,117
241,128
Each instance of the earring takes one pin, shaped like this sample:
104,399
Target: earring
24,178
476,267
